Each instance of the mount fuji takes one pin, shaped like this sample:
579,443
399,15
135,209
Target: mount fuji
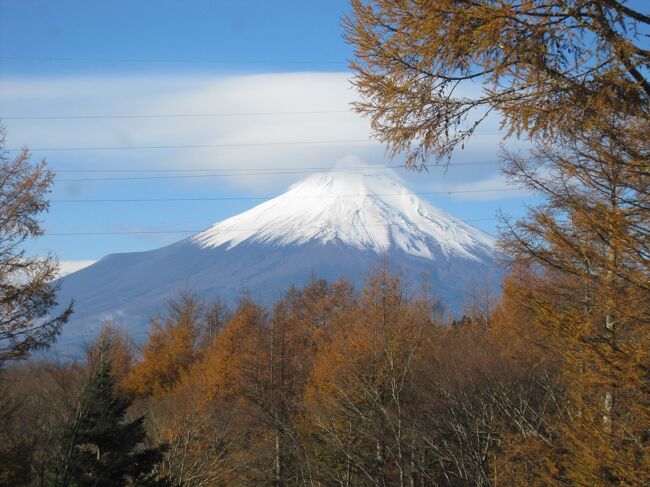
329,225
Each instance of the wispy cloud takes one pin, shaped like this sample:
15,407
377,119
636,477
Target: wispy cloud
254,94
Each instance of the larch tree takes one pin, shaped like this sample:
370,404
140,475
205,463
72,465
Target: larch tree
216,316
360,397
572,76
225,378
430,71
225,367
171,349
591,237
115,345
27,283
201,445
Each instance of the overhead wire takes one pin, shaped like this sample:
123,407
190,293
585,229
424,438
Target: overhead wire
245,198
162,232
248,198
205,146
173,115
281,170
214,175
192,146
173,61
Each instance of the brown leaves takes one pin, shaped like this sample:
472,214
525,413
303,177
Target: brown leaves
541,65
27,292
171,349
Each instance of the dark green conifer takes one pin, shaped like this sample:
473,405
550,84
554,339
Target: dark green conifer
99,447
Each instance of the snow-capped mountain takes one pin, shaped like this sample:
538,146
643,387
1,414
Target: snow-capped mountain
372,212
334,224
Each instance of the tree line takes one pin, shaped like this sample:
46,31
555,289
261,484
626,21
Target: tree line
330,386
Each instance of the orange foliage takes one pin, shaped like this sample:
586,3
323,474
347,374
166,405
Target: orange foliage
115,345
231,357
169,352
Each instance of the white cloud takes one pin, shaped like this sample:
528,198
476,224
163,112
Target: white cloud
149,94
69,266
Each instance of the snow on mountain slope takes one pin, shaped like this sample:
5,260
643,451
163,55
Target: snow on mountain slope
330,225
365,210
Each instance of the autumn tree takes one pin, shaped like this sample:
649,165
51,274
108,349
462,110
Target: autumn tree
591,238
36,400
115,345
172,347
479,303
247,390
27,283
216,315
396,397
215,391
430,72
221,370
572,76
360,394
301,322
203,446
201,443
531,448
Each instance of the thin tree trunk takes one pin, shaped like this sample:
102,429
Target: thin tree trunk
278,459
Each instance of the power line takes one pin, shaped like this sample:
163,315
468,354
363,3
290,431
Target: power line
231,174
203,146
184,176
281,170
246,198
237,172
193,146
174,115
162,232
172,61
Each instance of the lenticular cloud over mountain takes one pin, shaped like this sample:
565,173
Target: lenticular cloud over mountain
336,224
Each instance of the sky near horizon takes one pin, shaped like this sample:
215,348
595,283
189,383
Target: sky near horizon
237,72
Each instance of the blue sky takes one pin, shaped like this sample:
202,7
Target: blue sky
80,58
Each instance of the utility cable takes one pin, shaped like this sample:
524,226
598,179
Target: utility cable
281,170
161,232
173,115
246,198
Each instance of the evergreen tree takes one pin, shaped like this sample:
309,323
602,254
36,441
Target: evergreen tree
99,448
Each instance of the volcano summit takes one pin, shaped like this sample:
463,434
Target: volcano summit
329,225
